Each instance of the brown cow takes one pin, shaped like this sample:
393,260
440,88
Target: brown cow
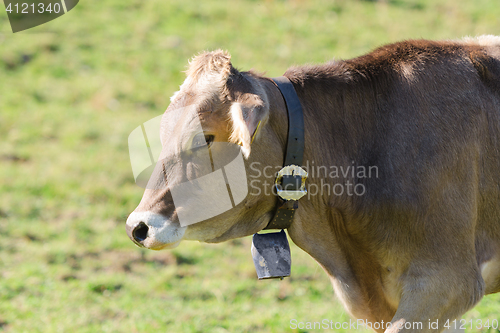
422,241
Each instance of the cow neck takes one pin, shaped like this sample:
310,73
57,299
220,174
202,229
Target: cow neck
294,151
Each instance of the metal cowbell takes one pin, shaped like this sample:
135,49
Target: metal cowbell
271,255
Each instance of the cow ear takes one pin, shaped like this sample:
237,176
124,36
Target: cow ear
247,120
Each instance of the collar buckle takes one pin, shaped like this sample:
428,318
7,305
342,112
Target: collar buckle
291,182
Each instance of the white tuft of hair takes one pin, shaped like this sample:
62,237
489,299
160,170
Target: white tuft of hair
484,40
240,134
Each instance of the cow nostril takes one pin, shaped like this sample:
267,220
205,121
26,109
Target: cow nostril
140,232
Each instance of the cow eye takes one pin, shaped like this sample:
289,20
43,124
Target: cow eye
201,140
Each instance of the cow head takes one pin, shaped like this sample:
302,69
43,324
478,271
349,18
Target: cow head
216,110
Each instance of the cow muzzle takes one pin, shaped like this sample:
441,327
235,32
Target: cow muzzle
154,231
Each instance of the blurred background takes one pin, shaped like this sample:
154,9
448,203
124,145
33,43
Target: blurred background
73,89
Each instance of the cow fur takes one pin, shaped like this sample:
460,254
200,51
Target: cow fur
423,242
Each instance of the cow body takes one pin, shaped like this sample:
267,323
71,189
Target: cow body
423,240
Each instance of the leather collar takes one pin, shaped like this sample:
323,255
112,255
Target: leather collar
283,216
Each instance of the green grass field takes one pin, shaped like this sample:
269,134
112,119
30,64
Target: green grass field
70,93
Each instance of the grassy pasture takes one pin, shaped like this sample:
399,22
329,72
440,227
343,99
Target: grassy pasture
70,93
